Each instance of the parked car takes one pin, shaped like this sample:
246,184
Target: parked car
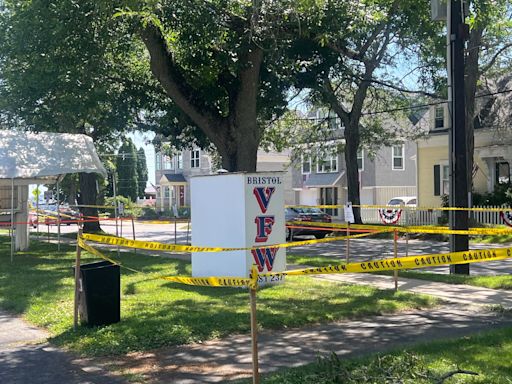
69,216
408,201
306,215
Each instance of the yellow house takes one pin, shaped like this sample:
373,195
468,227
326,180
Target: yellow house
493,156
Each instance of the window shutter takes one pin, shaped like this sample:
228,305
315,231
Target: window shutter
437,180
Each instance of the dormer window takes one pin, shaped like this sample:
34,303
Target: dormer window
439,117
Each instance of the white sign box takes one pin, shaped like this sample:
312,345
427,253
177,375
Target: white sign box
238,210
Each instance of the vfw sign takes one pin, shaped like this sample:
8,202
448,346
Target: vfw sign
249,212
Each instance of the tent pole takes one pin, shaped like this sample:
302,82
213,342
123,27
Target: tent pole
37,211
12,220
114,190
58,214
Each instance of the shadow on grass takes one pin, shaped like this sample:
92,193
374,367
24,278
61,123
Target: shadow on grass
184,314
155,312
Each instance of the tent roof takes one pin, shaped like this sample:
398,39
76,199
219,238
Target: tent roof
45,155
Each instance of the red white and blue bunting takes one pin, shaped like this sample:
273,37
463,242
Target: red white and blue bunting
390,216
507,217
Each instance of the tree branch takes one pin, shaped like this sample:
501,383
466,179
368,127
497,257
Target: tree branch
383,24
495,57
453,373
169,76
404,90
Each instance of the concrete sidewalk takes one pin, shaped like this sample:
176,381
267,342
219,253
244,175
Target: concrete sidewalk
223,360
452,293
228,359
26,358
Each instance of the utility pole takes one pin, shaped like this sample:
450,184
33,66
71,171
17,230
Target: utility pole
458,151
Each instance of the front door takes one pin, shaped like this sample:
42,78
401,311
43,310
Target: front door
329,196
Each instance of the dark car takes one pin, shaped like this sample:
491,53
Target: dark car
297,214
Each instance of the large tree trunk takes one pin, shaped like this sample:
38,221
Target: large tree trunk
88,194
238,152
351,147
236,136
472,76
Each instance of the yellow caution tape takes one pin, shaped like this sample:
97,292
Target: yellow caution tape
155,246
426,208
390,264
197,281
161,221
411,229
410,262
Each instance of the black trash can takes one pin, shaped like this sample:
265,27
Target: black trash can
99,297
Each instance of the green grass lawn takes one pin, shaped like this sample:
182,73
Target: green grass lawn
488,354
493,282
39,285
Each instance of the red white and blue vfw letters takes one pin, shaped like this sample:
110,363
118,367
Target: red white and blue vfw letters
264,257
263,195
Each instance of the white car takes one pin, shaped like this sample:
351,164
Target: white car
407,201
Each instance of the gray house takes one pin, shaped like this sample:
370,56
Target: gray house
173,174
388,173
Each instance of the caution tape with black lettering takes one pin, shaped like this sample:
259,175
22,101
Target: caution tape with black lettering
156,246
188,280
407,207
412,229
400,263
390,264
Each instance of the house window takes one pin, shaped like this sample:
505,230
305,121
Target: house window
502,172
166,192
439,117
360,159
398,157
306,164
158,164
166,162
179,161
445,180
195,155
327,164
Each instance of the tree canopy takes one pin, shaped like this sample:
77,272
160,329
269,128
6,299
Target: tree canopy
142,172
127,170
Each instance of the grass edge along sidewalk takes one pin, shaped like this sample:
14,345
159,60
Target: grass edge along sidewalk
488,354
157,312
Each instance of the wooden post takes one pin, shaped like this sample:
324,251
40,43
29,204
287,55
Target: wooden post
13,240
58,215
395,272
175,230
254,338
407,233
348,243
188,229
77,278
133,233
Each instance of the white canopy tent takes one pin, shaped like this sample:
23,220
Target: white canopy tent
40,158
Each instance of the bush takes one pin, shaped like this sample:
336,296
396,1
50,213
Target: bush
502,195
183,213
130,208
148,213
